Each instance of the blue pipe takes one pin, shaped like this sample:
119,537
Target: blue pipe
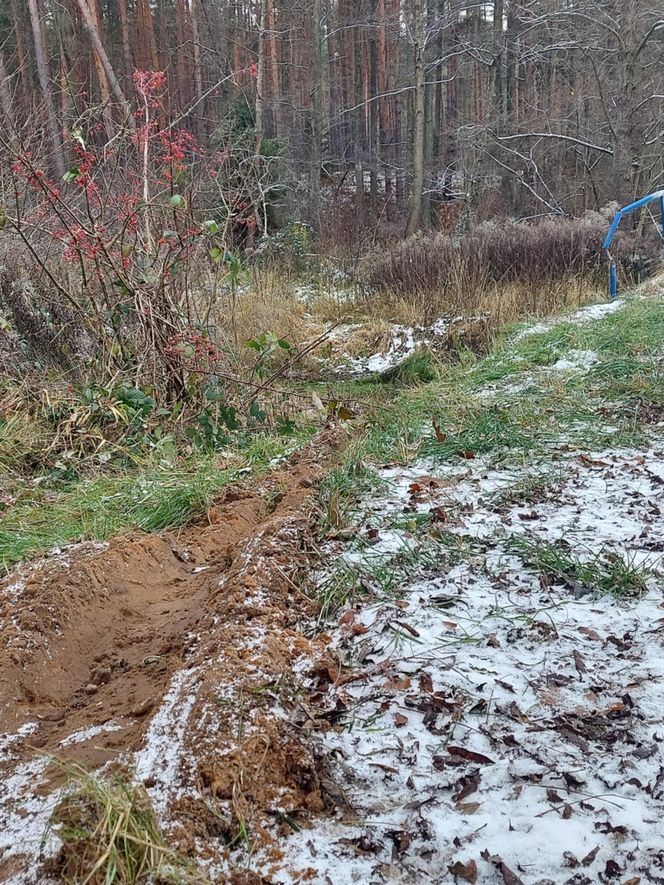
617,218
613,280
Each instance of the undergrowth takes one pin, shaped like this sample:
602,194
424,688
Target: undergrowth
98,507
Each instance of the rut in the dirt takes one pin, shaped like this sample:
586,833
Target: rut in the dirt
169,654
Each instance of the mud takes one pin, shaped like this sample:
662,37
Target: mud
174,654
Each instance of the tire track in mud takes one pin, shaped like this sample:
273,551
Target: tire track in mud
173,656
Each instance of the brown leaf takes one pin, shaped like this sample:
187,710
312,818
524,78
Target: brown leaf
611,870
400,720
387,768
590,857
401,839
407,628
348,617
398,684
470,755
509,877
587,461
441,436
579,663
465,871
468,454
359,629
591,634
467,789
467,807
426,683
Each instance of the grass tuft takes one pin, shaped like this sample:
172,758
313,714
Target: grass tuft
110,836
605,572
420,367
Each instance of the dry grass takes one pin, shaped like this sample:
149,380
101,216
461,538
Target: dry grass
502,303
110,836
269,305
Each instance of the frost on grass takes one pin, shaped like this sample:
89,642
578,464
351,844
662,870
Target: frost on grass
500,711
403,342
583,315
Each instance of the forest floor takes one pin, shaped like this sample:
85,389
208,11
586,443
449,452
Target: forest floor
425,647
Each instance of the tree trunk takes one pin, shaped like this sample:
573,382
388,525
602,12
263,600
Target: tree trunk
260,79
89,20
5,94
128,65
199,115
415,214
316,116
273,67
58,159
21,54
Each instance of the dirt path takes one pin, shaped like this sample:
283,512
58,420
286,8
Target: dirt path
163,653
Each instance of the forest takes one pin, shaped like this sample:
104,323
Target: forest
370,114
331,468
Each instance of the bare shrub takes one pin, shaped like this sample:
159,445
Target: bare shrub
497,258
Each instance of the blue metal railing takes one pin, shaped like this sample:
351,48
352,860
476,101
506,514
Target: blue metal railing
620,214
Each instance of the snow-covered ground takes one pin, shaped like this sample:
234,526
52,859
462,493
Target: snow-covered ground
491,718
495,684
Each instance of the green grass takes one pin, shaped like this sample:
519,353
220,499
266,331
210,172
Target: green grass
530,489
582,411
97,508
421,367
604,572
453,418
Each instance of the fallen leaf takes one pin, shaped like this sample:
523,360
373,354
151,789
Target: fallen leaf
441,436
400,720
470,755
401,839
469,786
426,683
387,768
359,629
509,877
590,857
587,461
407,628
611,870
469,455
398,684
418,803
467,807
591,634
465,871
607,827
579,663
